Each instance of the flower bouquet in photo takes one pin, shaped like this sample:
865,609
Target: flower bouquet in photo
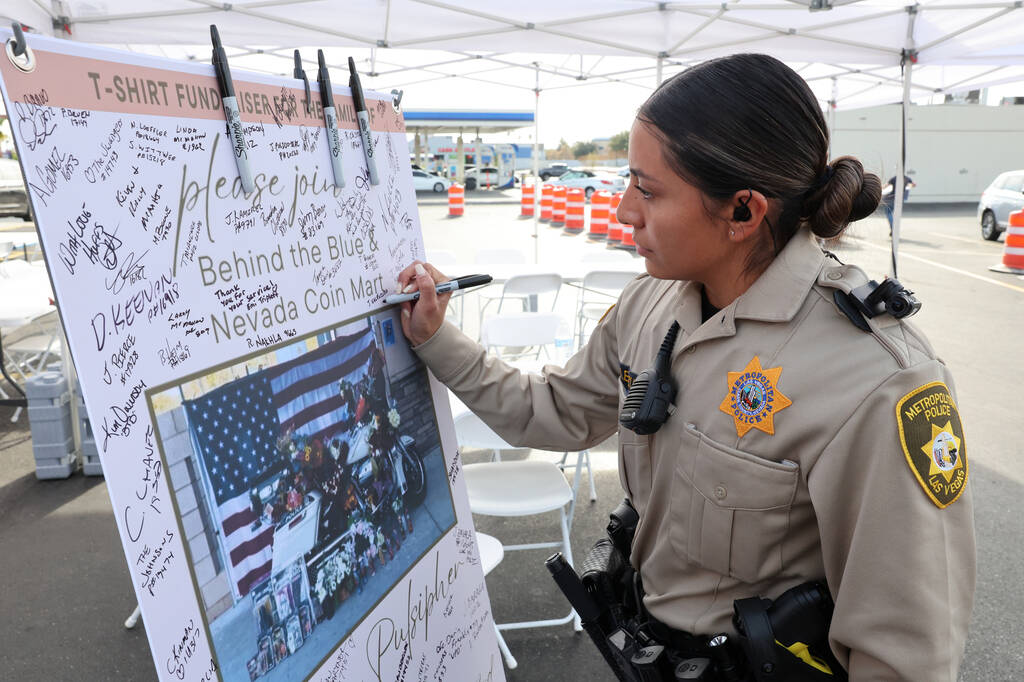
325,585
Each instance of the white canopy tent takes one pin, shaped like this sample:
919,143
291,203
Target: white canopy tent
852,52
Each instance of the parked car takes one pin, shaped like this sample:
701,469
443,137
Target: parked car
424,181
553,171
486,177
998,201
13,194
590,181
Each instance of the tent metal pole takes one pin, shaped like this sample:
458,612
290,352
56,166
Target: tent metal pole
832,114
807,32
909,57
594,41
413,42
685,39
209,8
969,27
536,162
552,71
658,75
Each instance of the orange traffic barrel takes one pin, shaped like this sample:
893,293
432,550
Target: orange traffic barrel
526,205
574,203
456,200
600,202
1013,249
627,238
558,206
614,226
547,196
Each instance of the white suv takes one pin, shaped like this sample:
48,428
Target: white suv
998,201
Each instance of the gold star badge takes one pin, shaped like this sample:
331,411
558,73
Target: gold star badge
933,442
943,451
753,398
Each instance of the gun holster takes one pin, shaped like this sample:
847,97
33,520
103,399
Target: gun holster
606,572
788,639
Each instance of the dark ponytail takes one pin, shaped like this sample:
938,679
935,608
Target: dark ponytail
748,121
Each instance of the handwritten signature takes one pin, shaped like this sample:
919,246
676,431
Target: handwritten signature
35,123
131,271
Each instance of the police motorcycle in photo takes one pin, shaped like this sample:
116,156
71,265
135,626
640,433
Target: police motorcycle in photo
399,460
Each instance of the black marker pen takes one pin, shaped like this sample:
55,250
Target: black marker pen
323,79
442,288
231,112
364,121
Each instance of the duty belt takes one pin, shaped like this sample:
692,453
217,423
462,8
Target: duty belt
785,639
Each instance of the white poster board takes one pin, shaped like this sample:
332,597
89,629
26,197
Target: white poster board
283,470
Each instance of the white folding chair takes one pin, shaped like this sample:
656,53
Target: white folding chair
5,249
30,347
517,336
445,261
491,554
486,295
472,432
525,289
441,258
523,488
520,338
597,292
499,256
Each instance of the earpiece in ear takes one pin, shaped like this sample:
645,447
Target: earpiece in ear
742,212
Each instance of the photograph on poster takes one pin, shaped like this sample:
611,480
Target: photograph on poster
307,480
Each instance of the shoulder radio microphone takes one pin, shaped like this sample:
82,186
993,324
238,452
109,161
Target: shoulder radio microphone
652,394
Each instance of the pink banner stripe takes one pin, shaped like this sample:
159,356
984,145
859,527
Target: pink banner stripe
71,82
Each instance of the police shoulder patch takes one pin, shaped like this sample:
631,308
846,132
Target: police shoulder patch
932,438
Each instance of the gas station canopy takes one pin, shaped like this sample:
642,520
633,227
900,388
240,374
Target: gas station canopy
436,121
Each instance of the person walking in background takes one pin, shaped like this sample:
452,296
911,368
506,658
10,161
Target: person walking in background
889,196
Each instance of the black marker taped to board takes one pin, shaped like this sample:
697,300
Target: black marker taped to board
231,112
364,121
323,79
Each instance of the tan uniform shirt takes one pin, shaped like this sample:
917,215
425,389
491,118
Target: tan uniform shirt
829,480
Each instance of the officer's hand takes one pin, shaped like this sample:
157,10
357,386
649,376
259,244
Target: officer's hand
423,317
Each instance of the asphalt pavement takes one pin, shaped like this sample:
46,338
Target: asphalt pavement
66,589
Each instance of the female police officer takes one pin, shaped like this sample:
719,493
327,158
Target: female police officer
808,440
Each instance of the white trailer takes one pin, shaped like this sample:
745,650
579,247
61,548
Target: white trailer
953,150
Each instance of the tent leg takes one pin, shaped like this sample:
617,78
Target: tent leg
909,57
536,163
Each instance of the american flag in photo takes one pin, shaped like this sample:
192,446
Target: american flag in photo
236,431
236,427
305,389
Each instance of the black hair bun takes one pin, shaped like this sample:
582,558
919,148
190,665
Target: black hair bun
848,195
